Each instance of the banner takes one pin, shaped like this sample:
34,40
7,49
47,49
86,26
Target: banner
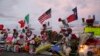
96,30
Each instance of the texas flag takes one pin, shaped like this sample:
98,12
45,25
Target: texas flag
73,16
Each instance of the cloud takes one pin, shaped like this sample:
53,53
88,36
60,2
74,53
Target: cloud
88,7
60,8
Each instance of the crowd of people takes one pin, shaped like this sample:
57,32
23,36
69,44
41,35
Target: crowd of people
27,41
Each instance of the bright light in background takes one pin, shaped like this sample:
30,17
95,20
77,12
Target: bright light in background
11,11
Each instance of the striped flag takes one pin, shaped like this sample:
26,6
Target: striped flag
73,16
45,16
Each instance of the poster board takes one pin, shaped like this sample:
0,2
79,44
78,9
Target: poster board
96,30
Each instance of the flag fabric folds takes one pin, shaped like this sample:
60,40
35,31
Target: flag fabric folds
27,19
22,23
45,16
73,16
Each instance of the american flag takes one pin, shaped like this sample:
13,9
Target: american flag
45,16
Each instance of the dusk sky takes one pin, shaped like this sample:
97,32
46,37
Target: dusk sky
11,11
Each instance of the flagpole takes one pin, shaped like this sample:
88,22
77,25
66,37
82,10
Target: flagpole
29,23
51,21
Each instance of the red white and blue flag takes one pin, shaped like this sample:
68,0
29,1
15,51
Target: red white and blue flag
73,16
45,16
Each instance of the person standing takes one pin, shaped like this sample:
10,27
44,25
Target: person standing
29,38
15,41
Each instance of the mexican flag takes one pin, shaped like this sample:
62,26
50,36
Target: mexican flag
22,23
27,19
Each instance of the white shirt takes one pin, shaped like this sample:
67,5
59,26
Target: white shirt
15,40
